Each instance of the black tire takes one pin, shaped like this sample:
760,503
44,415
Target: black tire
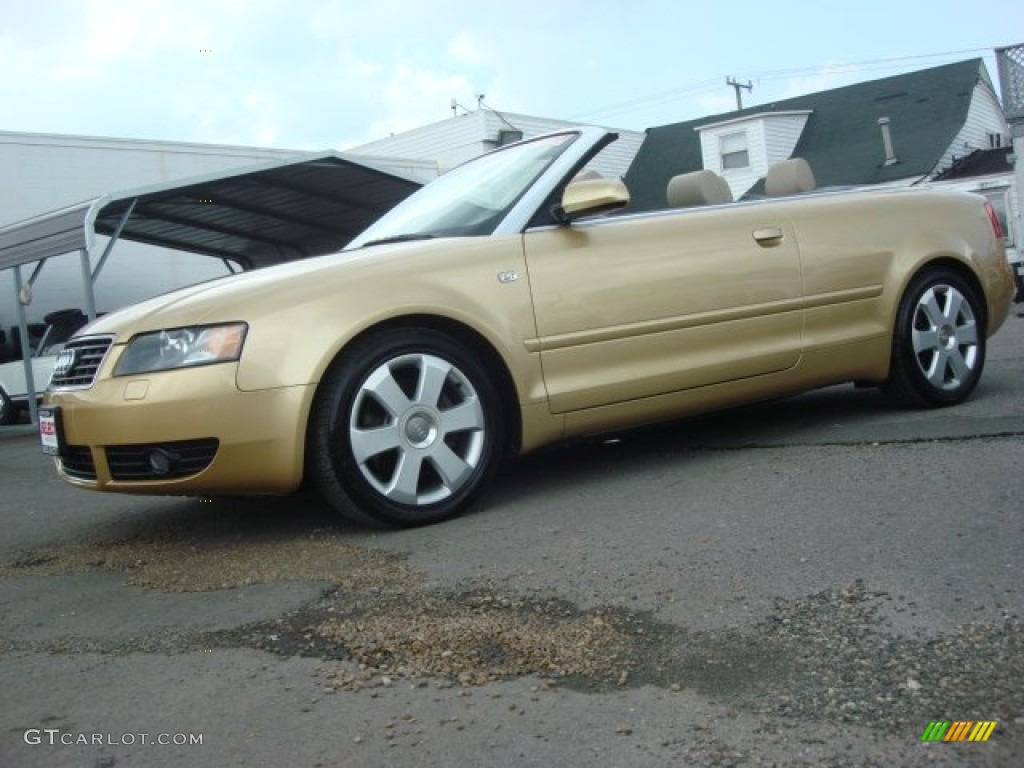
8,410
938,346
406,429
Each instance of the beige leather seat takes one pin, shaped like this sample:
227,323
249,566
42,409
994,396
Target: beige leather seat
790,177
697,188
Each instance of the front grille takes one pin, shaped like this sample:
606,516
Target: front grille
184,457
76,461
88,356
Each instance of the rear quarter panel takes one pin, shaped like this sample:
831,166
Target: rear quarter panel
860,250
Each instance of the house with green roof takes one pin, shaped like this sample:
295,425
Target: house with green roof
902,129
942,125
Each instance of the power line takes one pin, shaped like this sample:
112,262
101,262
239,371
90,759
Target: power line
706,86
654,99
868,64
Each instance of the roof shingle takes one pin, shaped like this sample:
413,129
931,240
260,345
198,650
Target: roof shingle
841,140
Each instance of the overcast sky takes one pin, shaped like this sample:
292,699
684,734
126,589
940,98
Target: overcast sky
319,74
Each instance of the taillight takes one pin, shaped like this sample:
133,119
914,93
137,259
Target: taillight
994,218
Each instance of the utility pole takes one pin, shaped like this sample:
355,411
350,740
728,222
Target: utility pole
738,85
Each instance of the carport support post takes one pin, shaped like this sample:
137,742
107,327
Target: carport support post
26,349
113,240
90,296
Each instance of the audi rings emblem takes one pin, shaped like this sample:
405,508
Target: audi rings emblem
64,363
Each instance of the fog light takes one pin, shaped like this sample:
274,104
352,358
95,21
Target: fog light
162,462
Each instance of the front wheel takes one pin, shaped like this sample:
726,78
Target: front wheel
406,429
938,348
8,410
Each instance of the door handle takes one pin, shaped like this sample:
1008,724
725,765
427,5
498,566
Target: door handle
768,236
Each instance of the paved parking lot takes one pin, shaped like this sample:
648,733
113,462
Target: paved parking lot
803,583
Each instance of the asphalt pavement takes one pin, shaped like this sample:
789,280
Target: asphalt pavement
806,582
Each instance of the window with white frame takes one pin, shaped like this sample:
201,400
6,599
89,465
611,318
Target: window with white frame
997,198
733,147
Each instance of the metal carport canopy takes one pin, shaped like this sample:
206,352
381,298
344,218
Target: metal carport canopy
257,215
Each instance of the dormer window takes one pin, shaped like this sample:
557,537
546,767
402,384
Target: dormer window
734,153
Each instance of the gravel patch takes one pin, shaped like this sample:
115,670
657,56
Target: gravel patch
192,563
827,658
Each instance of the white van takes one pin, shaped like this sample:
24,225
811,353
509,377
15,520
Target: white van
60,326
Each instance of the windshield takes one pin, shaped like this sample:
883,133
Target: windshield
471,199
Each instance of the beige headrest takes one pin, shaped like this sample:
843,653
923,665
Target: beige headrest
790,177
697,188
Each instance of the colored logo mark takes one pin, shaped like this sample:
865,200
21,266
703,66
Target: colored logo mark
959,730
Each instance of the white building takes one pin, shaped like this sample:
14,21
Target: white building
40,173
460,138
44,172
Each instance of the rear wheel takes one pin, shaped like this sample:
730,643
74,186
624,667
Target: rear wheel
406,429
938,348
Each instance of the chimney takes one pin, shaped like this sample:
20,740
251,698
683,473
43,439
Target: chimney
890,155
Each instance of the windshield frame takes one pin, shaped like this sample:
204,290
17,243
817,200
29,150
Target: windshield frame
514,216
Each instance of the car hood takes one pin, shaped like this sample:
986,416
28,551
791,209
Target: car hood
233,297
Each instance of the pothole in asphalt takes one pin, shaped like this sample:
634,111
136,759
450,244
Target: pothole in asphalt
470,638
822,656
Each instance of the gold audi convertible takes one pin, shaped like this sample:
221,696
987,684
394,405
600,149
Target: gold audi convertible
512,303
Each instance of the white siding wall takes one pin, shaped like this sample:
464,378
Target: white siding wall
770,138
742,179
447,143
615,159
458,139
42,172
612,162
1017,198
782,132
739,179
983,117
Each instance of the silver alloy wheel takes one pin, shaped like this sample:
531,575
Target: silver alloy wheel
417,429
945,337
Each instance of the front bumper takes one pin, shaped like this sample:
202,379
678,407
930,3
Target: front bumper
218,439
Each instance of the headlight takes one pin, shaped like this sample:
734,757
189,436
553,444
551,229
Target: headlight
182,347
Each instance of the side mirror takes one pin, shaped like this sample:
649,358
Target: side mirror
591,197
